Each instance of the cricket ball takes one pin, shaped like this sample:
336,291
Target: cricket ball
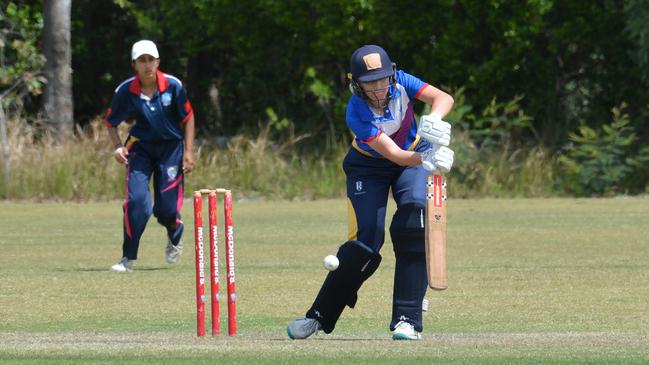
331,262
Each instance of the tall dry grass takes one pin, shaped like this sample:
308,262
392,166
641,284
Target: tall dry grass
84,169
78,169
502,172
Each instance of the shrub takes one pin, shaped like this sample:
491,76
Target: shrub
605,161
490,156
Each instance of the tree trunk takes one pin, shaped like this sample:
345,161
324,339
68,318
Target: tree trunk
58,105
5,153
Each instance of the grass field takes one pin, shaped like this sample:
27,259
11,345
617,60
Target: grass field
547,281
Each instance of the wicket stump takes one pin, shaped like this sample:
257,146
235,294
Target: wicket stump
214,261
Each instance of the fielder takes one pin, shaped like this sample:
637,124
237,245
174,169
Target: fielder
160,144
389,152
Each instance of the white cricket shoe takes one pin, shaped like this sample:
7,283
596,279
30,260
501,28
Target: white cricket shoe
124,265
172,253
405,331
302,328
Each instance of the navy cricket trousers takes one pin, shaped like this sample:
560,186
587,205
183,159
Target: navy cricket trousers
161,160
369,181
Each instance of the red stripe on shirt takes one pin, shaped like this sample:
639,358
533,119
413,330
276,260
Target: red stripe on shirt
191,112
420,91
372,138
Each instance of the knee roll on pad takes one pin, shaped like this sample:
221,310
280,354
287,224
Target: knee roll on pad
357,263
407,228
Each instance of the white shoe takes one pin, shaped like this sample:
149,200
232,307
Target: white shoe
302,328
124,265
405,331
172,252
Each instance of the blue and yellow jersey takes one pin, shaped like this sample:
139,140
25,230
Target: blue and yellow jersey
398,120
159,118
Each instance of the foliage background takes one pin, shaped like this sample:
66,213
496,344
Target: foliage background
538,83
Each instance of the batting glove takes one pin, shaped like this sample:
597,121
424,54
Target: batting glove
437,159
434,130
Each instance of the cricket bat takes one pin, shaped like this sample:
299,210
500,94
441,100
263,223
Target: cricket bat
436,232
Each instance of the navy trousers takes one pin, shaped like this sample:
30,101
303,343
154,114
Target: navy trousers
161,160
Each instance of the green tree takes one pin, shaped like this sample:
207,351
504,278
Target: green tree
21,66
102,35
637,14
567,60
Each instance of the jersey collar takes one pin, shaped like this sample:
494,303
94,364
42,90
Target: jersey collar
136,87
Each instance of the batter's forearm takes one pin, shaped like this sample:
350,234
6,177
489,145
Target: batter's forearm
441,103
442,106
388,149
401,157
405,158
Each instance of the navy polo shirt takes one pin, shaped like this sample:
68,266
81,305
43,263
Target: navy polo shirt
159,118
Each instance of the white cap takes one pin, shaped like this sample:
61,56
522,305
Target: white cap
144,47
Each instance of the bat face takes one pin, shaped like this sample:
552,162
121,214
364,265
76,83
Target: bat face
436,232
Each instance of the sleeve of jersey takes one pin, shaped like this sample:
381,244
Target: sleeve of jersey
117,112
365,131
413,85
183,106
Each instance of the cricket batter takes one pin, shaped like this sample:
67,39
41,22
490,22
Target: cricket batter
160,144
389,152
